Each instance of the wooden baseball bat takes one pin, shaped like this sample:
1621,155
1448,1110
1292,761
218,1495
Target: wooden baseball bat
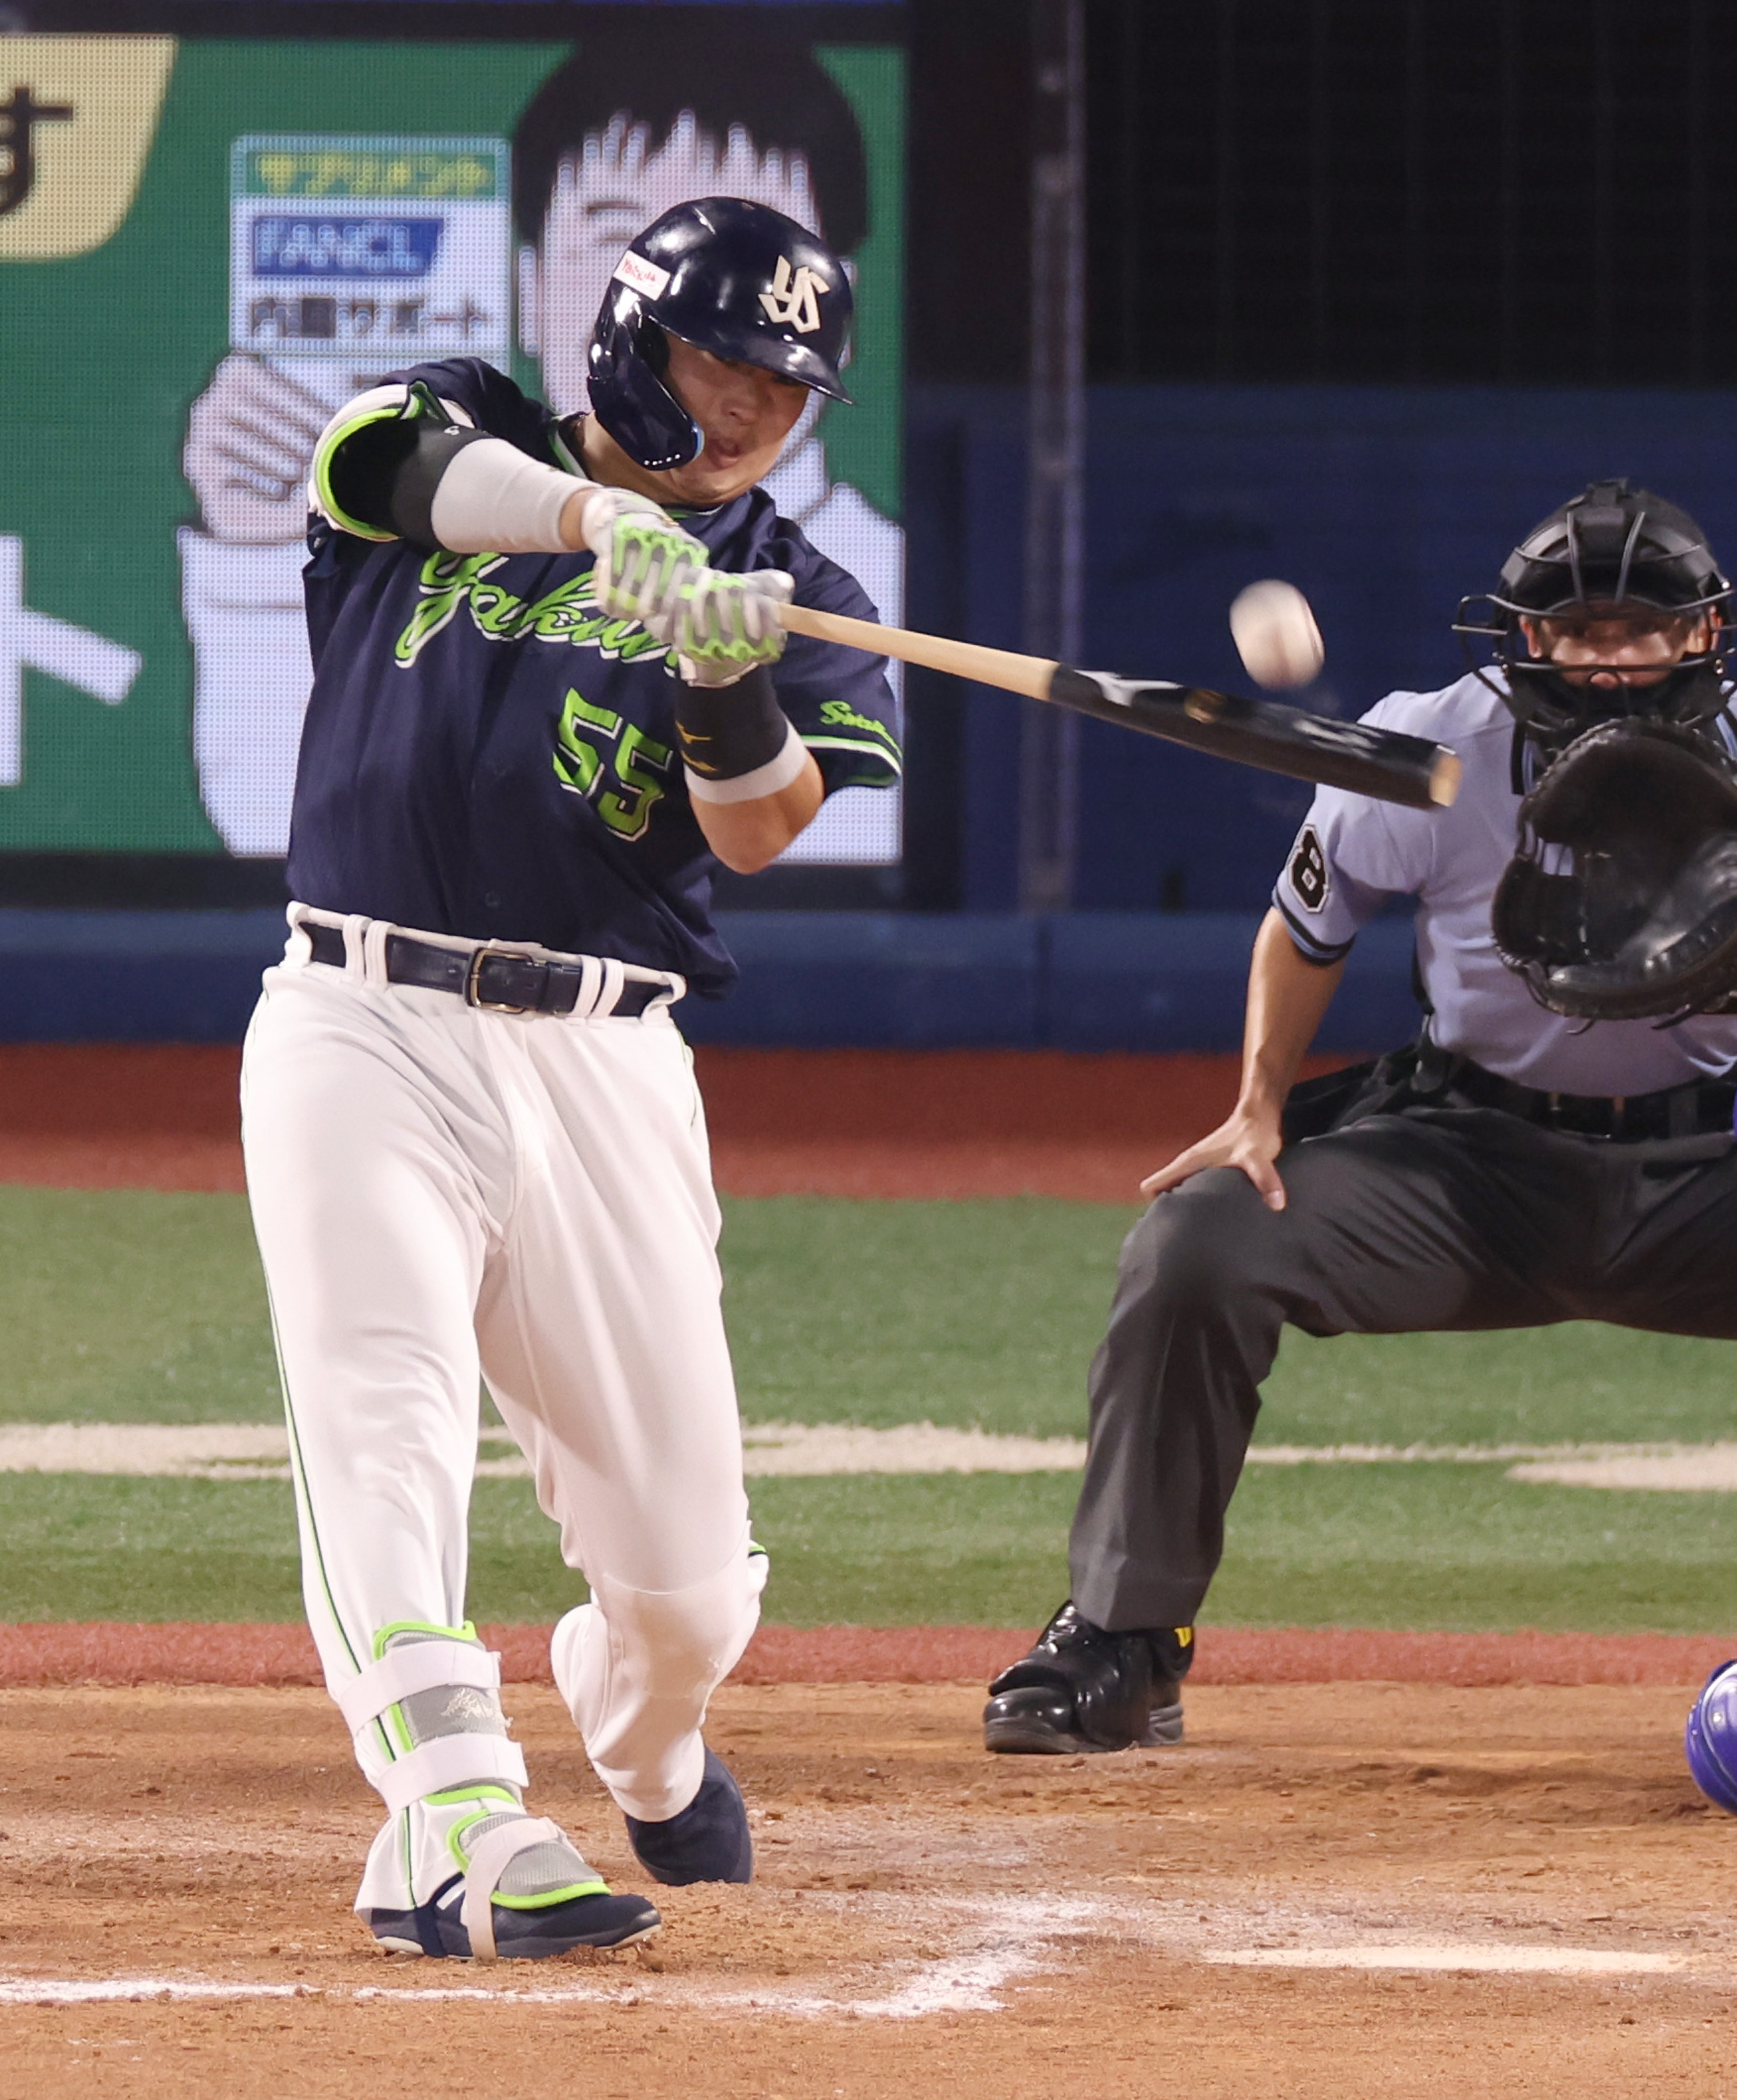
1380,762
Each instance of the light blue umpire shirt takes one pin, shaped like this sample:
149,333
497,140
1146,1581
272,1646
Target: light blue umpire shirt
1353,854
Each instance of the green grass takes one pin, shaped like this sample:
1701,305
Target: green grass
1457,1546
130,1306
1462,1547
884,1313
1579,1383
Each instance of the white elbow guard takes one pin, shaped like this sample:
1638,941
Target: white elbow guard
493,499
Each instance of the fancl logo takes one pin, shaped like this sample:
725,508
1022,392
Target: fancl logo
286,245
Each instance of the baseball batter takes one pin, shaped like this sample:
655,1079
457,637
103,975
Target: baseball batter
1514,1168
551,693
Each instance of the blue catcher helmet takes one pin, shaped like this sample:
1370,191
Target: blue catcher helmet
1710,1741
737,279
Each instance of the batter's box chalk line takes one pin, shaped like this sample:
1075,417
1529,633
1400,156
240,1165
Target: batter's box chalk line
1459,1957
1005,1941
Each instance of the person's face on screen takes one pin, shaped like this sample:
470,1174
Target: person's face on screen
608,192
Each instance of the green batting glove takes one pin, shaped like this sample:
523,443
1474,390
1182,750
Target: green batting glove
728,625
644,560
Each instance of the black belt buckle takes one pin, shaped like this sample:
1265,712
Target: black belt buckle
1592,1115
473,994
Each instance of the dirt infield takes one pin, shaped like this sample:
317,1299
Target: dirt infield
1344,1892
118,1654
830,1123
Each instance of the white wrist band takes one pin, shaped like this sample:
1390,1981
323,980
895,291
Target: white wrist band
765,779
493,499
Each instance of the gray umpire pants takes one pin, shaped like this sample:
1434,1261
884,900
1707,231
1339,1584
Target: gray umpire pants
1427,1220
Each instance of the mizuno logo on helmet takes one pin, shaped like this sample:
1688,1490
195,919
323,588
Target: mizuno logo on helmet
793,301
643,277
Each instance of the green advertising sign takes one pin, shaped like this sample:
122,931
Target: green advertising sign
206,246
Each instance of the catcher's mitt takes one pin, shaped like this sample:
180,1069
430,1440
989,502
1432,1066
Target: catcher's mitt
1621,899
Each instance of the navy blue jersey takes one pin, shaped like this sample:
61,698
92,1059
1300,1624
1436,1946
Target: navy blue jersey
486,755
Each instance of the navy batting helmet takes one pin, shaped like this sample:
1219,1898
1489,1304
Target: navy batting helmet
1615,550
738,279
1710,1740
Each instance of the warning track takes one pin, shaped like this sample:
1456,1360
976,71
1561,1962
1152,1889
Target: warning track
111,1653
934,1123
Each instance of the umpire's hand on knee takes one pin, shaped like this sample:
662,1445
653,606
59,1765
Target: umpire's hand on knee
1249,1139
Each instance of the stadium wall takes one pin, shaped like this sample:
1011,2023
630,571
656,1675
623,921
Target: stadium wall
810,980
1386,505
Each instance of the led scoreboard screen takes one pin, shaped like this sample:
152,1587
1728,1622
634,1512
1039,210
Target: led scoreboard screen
207,245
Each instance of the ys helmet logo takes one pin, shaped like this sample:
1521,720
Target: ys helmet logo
793,300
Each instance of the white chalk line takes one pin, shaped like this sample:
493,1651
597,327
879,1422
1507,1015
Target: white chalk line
259,1451
1016,1937
1459,1955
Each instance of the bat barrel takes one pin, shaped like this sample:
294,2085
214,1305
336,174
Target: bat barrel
1383,763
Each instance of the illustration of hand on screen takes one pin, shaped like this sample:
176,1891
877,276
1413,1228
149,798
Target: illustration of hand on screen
249,441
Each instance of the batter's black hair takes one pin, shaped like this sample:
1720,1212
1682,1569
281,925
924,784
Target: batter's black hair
726,71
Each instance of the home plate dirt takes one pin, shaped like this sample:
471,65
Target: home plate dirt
1341,1891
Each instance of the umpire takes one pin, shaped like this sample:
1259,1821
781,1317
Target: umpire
1513,1167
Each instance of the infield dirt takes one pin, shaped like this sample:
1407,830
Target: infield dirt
924,1918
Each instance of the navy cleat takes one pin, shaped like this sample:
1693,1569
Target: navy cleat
708,1842
523,1893
1082,1688
438,1928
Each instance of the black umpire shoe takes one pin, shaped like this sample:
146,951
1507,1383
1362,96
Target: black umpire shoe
1081,1688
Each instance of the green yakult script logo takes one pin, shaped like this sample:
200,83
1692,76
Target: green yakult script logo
567,614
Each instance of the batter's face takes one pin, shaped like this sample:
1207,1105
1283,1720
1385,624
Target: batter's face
1605,651
743,413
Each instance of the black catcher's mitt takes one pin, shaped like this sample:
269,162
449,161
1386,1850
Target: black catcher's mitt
1621,900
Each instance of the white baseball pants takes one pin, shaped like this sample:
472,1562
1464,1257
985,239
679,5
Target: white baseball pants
440,1192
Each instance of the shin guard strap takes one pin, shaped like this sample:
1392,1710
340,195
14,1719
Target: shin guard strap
416,1667
447,1762
494,1853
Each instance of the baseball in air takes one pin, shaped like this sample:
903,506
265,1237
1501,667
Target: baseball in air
1275,634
